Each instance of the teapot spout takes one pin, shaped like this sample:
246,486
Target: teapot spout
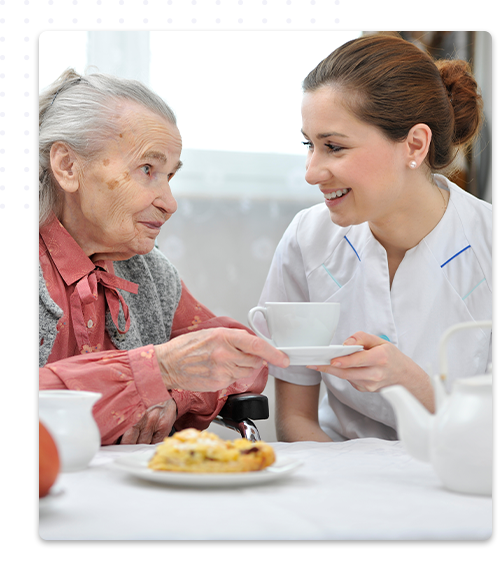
414,421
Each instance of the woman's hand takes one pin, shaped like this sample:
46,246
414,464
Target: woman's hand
154,426
380,364
213,359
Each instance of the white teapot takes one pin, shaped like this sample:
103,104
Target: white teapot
67,415
458,438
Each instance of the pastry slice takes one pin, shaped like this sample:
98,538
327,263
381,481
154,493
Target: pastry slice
204,452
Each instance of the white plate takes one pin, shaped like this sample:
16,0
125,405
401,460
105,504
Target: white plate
136,464
317,356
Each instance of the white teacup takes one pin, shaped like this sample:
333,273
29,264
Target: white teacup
298,324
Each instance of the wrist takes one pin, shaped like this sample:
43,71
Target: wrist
160,351
419,385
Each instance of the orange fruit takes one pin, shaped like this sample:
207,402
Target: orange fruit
48,461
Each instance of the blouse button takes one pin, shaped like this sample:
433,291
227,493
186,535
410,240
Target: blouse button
90,323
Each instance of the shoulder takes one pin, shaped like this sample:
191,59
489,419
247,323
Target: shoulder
475,214
472,226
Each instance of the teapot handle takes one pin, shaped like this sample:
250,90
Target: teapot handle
447,334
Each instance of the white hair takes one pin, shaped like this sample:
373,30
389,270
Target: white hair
78,111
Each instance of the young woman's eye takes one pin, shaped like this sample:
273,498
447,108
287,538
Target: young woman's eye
333,147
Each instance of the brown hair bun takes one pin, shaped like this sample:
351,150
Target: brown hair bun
463,92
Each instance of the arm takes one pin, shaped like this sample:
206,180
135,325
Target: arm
297,413
130,382
135,381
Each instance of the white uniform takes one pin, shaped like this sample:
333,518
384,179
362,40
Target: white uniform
444,280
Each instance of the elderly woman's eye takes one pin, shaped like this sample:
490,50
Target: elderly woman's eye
146,168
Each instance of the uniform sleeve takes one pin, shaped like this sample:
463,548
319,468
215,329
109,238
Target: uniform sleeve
287,282
198,409
129,381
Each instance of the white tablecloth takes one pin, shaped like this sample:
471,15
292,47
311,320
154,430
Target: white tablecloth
365,489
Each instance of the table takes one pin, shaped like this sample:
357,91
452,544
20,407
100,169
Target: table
366,489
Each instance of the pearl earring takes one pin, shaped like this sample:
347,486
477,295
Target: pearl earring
413,164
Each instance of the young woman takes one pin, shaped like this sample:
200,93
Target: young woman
405,251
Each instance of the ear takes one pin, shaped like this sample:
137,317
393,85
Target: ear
64,166
418,143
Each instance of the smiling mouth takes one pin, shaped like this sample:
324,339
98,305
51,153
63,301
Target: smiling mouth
336,194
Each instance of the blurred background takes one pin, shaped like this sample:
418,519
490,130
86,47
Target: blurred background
236,95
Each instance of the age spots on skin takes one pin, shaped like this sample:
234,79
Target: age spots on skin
113,183
106,162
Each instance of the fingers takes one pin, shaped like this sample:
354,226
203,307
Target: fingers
131,435
364,379
212,359
364,370
154,426
252,345
366,339
164,424
371,355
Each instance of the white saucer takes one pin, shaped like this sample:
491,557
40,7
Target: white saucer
317,356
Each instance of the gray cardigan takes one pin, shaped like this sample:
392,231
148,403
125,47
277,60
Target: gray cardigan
151,311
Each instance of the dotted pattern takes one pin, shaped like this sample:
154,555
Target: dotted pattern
185,13
22,21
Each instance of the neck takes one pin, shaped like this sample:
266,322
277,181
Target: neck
411,219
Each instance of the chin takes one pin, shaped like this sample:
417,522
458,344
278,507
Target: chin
345,221
146,247
341,221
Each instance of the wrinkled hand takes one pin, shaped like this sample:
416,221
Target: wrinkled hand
380,364
154,426
213,359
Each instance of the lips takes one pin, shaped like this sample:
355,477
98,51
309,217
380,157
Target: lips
335,197
153,225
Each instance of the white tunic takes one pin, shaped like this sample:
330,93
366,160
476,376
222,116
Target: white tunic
444,280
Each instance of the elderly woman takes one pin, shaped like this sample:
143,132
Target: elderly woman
115,316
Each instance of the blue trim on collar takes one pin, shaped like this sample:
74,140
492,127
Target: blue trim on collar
458,253
345,237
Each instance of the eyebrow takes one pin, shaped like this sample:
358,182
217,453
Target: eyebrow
321,136
155,155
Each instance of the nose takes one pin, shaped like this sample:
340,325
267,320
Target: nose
166,201
316,170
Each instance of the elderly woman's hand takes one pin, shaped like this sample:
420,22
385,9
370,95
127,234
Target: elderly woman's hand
154,426
213,359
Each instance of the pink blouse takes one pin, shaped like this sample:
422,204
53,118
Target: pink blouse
84,358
